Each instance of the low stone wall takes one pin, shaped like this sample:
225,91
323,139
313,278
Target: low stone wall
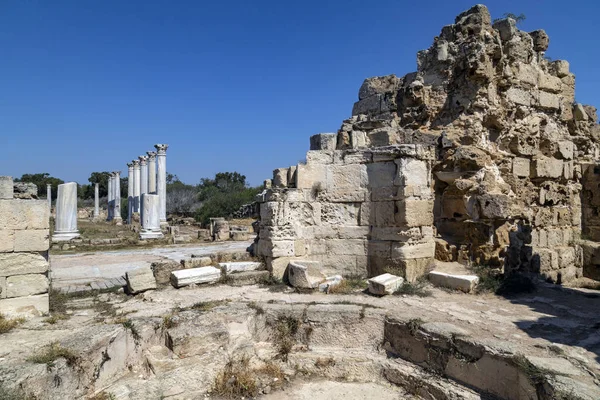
24,243
357,211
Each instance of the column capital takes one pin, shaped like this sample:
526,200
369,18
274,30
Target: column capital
143,160
130,165
116,173
161,149
136,163
151,155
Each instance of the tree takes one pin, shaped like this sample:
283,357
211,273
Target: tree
41,180
101,178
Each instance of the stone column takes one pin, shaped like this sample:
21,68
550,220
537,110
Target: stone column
136,186
151,172
109,215
49,195
161,180
150,217
96,201
66,213
129,191
117,198
143,174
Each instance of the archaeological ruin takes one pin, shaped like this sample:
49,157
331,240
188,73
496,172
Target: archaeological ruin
443,244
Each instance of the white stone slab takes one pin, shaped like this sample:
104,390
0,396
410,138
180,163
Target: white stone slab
139,280
185,277
385,284
305,274
230,267
465,283
330,281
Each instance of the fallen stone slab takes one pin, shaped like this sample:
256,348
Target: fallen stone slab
305,274
139,280
247,278
385,284
232,267
192,276
464,283
330,281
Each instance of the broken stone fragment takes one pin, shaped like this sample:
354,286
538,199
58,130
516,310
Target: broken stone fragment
464,283
540,40
305,274
139,280
231,267
192,276
330,282
385,284
507,27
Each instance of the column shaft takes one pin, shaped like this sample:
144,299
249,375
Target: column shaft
117,197
161,180
151,172
96,201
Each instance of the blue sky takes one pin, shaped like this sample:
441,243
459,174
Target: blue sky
87,85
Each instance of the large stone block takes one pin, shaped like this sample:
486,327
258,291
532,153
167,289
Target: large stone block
396,234
347,177
6,187
24,214
22,263
385,284
319,157
340,214
323,141
550,83
544,260
7,240
305,274
243,266
311,176
280,248
356,247
2,287
26,285
545,167
32,240
192,276
549,101
521,167
412,172
29,306
464,283
561,68
407,251
518,96
414,212
384,213
280,177
381,174
139,280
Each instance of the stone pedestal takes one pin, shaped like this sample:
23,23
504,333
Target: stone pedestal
129,192
136,186
117,198
66,213
151,172
96,201
161,180
150,217
143,174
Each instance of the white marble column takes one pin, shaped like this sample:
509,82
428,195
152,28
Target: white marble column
150,217
161,180
96,201
49,196
143,174
151,172
136,186
66,213
117,198
109,208
129,191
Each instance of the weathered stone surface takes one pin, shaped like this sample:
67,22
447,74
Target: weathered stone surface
544,167
139,280
186,277
21,214
7,240
26,285
305,274
22,263
232,267
196,262
25,190
464,283
31,240
385,284
29,306
280,177
6,187
323,141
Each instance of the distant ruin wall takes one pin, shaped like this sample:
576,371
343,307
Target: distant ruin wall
24,243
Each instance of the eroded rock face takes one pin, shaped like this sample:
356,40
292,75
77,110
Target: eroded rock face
510,148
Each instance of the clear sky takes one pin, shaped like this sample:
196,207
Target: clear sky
239,85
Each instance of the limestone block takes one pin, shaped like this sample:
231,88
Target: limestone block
365,214
385,284
412,172
381,249
311,176
566,149
7,240
195,262
358,139
491,206
323,141
28,306
186,277
320,157
305,274
357,247
22,263
566,257
344,195
2,287
406,251
384,213
21,214
6,187
579,113
544,260
340,214
32,240
383,137
381,174
300,247
521,167
568,169
518,96
464,283
550,83
549,101
139,280
244,266
526,73
507,28
545,167
561,67
26,285
25,190
414,212
279,248
396,234
280,177
292,176
347,177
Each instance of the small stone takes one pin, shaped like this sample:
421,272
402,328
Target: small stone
385,284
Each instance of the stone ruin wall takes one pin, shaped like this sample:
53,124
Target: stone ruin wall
24,243
511,161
